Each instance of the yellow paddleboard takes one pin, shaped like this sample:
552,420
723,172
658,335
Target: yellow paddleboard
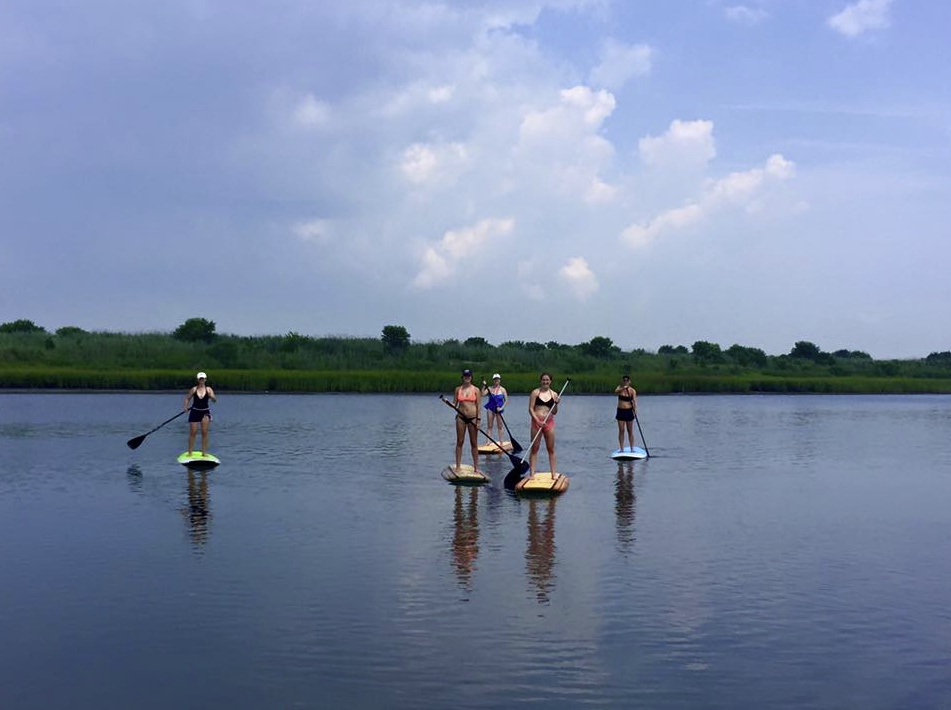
543,483
466,475
490,448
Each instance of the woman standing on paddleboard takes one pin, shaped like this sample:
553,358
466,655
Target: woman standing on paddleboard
498,398
542,406
199,412
467,399
626,410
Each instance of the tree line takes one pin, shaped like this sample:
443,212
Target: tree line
196,344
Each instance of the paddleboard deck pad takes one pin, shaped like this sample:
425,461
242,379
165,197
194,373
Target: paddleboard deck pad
466,475
490,448
543,483
196,460
629,454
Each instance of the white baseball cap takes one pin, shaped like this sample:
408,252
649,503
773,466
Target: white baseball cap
496,376
201,376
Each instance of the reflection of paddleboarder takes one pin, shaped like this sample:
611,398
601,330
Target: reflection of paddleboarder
624,502
199,412
540,554
197,511
465,539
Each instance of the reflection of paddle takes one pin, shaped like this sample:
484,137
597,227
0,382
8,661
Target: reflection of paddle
513,476
137,441
646,450
471,420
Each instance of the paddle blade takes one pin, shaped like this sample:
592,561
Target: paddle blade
515,475
516,447
136,442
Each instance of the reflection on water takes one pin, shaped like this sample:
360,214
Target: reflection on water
465,538
624,502
198,511
540,553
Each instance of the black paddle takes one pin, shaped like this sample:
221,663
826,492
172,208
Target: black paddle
137,441
516,447
512,457
513,476
642,435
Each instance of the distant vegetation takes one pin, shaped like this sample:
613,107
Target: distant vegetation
72,358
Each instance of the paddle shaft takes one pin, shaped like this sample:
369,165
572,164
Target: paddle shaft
643,441
137,441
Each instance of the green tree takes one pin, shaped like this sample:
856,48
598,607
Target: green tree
21,326
600,347
195,330
68,330
477,342
706,353
804,350
395,338
747,356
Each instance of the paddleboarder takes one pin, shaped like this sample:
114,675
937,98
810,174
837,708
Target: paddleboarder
542,407
498,397
199,412
467,398
626,410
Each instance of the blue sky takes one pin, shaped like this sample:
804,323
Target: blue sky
656,172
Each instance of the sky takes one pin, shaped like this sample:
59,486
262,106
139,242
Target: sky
657,172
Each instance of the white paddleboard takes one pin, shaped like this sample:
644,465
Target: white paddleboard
629,454
466,475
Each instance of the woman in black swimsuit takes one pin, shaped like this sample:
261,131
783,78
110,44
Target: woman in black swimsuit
199,412
626,411
542,407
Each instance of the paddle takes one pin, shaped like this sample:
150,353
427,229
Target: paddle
513,458
137,441
513,476
516,447
648,451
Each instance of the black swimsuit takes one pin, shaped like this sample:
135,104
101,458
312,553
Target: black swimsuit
200,408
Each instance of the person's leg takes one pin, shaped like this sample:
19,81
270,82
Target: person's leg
630,433
620,435
533,457
474,444
192,433
460,438
550,445
205,422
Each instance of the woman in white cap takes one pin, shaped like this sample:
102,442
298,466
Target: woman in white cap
466,399
498,398
199,412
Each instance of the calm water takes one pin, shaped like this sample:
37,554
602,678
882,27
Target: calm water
775,552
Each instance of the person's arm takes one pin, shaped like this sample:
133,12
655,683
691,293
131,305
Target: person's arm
634,400
619,389
211,395
505,399
188,396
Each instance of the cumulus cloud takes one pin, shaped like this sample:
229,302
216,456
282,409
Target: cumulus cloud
561,150
619,63
744,15
862,16
579,278
738,190
440,262
433,162
685,144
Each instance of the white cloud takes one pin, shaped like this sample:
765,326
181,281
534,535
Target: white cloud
862,16
317,231
440,262
428,162
620,63
560,150
580,278
311,112
745,15
739,190
685,144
